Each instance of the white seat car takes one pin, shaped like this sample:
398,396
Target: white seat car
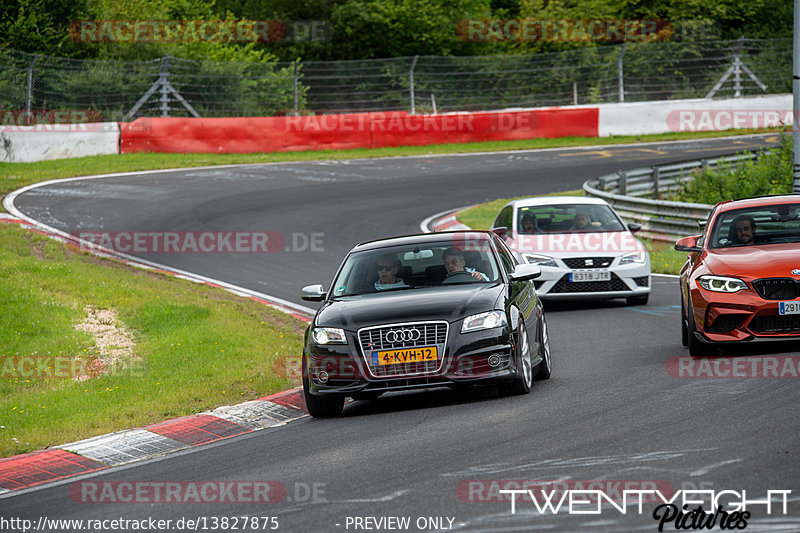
581,245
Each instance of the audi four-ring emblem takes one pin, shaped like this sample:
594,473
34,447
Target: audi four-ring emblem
402,335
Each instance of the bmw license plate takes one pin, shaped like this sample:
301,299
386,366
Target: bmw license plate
405,355
590,275
789,308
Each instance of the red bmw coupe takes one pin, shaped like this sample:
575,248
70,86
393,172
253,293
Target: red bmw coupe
741,280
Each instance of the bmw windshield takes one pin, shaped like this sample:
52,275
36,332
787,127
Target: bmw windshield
770,224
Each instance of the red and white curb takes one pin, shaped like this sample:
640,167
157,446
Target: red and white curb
124,447
444,221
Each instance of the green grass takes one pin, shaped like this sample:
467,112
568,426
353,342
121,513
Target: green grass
664,258
16,175
199,347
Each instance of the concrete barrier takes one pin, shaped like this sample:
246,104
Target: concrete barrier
25,144
702,114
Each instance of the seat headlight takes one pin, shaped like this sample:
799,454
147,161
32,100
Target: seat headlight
721,284
488,320
633,257
328,336
538,259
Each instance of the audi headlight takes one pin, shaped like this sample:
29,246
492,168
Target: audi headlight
721,284
328,336
633,257
538,259
488,320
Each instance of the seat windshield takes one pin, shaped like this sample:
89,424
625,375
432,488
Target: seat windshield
772,224
399,268
567,218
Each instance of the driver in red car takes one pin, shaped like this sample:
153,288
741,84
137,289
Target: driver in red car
745,228
454,262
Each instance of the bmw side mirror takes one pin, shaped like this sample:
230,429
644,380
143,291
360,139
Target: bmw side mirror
525,272
634,227
688,244
313,293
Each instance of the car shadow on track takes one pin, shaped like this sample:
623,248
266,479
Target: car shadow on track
557,306
425,399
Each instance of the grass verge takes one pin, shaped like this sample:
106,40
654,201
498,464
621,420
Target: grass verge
194,347
664,259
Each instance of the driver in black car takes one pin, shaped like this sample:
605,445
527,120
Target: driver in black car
454,262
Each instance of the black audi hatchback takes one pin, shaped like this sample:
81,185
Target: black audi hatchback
431,310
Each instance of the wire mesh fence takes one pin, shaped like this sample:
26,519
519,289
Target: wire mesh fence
630,72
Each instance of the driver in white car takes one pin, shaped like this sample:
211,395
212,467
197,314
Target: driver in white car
454,262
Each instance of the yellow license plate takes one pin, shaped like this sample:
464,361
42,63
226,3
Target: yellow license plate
405,355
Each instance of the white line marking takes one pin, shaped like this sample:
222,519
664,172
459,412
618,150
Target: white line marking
8,203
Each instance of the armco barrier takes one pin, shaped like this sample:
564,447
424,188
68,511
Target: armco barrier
25,144
362,130
660,219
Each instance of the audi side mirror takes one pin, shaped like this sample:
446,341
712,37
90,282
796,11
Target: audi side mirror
313,293
500,230
525,272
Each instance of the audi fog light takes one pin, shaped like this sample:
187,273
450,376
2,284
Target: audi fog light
488,320
632,257
328,336
721,284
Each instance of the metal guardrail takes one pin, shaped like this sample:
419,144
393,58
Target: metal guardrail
660,219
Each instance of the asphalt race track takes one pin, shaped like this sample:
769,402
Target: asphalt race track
612,411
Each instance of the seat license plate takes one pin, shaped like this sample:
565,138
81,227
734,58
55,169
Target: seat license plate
590,275
405,355
789,308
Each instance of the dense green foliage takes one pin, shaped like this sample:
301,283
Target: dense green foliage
371,28
771,173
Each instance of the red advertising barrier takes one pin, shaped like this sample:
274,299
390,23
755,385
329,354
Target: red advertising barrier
358,130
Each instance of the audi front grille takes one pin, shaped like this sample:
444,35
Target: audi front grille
399,336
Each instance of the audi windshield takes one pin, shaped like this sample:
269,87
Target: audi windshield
412,267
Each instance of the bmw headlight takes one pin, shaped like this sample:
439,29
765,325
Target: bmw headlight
488,320
721,284
538,259
328,336
633,257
